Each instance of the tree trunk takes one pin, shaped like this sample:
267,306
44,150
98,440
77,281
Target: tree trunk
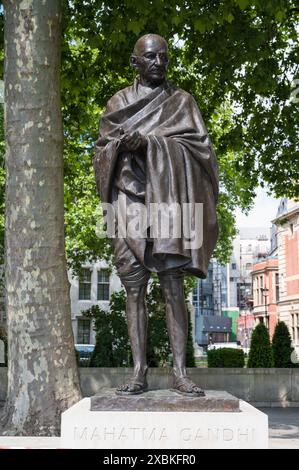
42,373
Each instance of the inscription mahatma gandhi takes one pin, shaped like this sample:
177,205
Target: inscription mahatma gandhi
162,434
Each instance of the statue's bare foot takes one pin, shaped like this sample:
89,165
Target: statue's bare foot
133,387
187,387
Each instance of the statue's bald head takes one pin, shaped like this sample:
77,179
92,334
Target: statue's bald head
149,41
150,58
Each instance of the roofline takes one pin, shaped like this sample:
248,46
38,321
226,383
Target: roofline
286,215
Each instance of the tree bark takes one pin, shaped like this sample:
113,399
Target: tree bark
42,373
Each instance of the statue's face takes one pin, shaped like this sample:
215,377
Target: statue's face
151,59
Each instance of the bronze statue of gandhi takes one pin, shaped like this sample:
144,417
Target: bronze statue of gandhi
153,148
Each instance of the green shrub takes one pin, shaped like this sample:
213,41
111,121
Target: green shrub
226,357
260,354
112,347
282,346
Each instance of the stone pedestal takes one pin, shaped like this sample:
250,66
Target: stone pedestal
162,419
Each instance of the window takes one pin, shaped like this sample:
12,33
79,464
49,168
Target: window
261,298
292,229
234,266
248,265
2,313
83,332
277,286
295,327
206,301
85,285
103,284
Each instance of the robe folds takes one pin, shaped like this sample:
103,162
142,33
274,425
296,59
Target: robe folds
178,166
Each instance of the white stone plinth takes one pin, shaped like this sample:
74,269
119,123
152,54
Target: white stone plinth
85,429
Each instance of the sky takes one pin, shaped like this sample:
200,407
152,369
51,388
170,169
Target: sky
264,210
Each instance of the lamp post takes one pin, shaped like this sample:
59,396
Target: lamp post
265,294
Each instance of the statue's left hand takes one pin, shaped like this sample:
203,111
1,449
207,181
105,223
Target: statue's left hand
132,142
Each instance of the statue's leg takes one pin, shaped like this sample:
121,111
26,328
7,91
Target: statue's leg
172,285
137,328
177,319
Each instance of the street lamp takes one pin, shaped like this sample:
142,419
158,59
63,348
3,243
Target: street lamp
265,294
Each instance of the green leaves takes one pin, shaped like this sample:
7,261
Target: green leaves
243,4
135,26
229,17
200,25
112,341
260,354
232,57
238,58
282,346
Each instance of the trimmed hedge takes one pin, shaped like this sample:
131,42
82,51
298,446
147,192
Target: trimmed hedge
282,346
226,357
260,353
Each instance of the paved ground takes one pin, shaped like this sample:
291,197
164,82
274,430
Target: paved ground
283,432
283,427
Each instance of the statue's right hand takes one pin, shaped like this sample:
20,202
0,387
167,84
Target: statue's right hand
132,142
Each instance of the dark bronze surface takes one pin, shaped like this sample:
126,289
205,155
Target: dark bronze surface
153,147
165,400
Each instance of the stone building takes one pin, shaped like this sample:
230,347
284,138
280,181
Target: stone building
94,287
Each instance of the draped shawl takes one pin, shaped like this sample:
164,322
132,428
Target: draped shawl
178,166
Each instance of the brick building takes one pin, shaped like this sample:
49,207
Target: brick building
265,287
245,327
287,223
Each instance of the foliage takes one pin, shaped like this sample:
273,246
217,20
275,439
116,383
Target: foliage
159,351
282,346
158,347
112,347
112,342
260,354
82,211
226,357
237,58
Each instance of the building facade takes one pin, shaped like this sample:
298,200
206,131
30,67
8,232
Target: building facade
227,291
250,244
208,298
93,287
287,223
265,286
245,327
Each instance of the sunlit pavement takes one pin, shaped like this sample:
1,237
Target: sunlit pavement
283,427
